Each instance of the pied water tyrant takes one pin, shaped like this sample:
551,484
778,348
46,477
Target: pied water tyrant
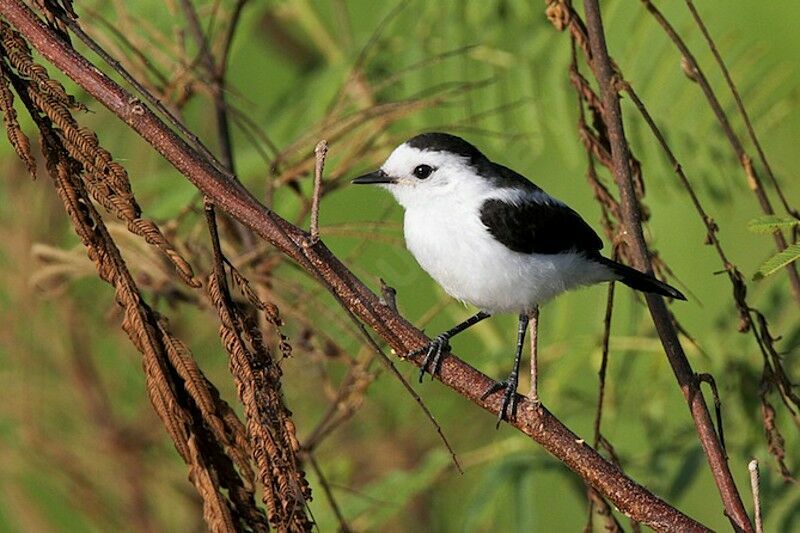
493,239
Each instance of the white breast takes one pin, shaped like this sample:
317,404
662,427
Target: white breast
451,243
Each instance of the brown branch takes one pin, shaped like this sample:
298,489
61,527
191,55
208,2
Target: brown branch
687,379
777,377
231,197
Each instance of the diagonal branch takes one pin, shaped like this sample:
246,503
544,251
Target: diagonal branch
612,114
230,196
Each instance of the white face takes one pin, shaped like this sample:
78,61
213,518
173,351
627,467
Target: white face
423,177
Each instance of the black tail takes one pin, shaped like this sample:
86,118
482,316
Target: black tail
641,281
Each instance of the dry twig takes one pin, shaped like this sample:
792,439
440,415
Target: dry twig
319,152
752,468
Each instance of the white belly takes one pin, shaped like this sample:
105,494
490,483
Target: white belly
457,250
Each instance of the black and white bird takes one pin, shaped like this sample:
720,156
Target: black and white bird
493,239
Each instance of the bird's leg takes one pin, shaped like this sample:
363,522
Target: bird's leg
534,318
510,383
435,349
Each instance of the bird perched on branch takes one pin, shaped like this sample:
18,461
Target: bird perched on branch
493,239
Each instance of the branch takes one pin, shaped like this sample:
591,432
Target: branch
230,196
632,219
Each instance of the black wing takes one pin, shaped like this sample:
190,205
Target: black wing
542,228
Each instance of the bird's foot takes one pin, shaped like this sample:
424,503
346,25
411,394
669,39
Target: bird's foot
509,397
434,353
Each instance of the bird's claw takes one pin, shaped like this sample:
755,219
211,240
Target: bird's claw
434,352
509,398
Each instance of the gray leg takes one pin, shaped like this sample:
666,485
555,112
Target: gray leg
435,349
510,383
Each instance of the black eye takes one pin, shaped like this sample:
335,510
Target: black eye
423,171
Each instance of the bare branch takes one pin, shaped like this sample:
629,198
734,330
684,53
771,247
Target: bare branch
752,467
319,152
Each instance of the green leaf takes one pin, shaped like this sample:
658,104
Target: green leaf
769,223
778,261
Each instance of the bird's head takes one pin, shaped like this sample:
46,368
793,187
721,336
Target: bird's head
428,168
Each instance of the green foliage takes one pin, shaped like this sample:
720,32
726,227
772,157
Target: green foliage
778,261
770,224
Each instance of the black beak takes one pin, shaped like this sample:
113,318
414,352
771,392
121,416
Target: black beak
379,176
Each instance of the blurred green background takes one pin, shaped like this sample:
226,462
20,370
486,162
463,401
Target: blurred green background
82,453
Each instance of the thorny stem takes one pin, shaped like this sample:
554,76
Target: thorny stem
230,196
632,220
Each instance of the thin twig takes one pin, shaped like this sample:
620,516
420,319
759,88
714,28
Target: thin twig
217,83
216,76
323,481
230,31
601,374
393,369
708,378
320,152
599,505
752,467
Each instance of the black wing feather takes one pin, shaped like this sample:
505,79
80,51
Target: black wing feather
542,228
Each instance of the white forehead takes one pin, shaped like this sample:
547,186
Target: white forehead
405,159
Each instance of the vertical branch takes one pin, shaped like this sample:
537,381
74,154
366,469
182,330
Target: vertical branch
752,467
320,152
612,114
601,374
216,81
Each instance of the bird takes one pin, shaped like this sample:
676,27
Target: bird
493,239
